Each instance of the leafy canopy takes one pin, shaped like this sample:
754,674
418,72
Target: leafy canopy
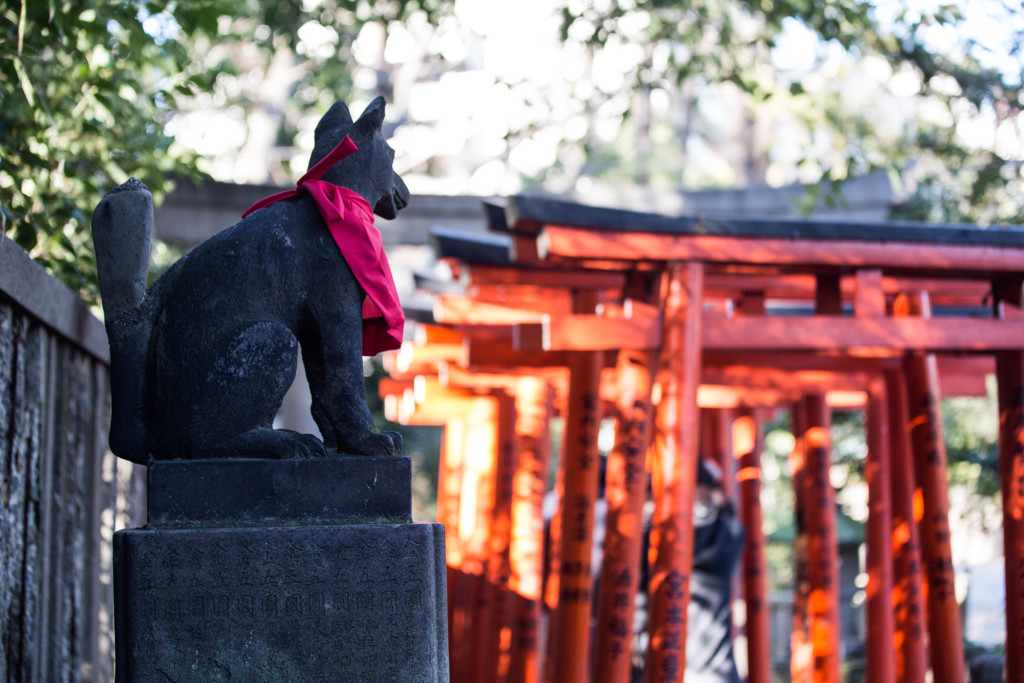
88,89
849,129
86,92
91,90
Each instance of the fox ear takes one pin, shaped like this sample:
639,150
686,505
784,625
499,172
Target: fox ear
336,116
372,117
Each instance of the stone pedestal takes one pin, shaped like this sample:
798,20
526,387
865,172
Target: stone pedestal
281,571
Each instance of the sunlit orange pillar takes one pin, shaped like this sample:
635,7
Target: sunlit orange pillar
583,416
908,591
928,440
534,398
810,642
553,569
823,546
625,493
674,471
1010,376
747,447
475,514
453,408
449,470
801,659
879,648
500,538
449,485
716,437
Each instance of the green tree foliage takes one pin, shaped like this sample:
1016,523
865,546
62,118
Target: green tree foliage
688,46
86,94
95,91
90,90
272,63
971,427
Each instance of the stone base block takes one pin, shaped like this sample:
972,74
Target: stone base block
353,602
246,492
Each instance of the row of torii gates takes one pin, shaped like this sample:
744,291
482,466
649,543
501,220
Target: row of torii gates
684,327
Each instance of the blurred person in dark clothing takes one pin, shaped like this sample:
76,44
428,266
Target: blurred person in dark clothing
718,540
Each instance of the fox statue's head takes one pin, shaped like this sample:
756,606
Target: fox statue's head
368,171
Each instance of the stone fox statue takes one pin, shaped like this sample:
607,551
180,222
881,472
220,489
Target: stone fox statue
201,361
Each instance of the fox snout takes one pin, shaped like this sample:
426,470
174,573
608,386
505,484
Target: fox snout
389,205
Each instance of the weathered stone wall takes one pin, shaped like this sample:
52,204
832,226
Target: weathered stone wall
58,482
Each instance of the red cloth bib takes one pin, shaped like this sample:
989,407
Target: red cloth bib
349,217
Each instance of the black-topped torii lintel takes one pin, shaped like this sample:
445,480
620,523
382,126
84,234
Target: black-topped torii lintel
528,214
471,248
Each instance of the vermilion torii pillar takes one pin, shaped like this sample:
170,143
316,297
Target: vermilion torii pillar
581,471
498,569
824,628
801,658
716,443
625,492
908,601
869,304
823,547
747,446
929,445
674,471
879,650
534,398
475,516
1010,375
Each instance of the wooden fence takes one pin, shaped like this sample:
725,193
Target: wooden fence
58,481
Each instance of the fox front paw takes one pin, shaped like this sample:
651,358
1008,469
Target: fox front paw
377,443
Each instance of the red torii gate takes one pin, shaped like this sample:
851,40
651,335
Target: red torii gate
828,266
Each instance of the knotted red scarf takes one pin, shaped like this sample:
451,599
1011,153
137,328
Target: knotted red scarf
349,217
